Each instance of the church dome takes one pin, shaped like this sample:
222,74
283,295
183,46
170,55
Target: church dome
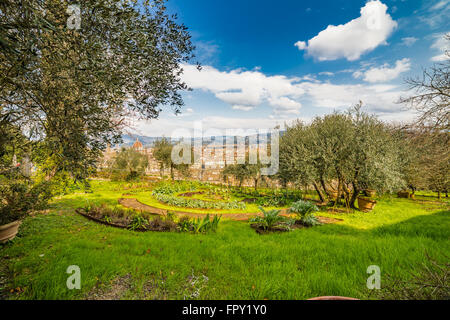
138,145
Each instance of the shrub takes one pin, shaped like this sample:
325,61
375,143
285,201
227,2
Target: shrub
138,222
270,219
197,203
199,225
305,212
20,195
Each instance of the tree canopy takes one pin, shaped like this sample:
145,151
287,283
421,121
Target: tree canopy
73,89
341,153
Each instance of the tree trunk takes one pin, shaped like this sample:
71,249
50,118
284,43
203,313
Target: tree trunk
338,196
318,192
256,184
322,183
171,172
354,195
439,195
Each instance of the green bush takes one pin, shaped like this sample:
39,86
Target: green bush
305,212
199,225
165,192
197,203
20,195
270,219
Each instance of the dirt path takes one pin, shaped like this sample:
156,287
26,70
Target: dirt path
135,204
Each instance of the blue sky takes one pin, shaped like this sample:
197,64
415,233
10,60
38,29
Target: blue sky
270,62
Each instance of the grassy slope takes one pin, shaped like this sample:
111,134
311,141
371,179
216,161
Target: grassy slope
325,260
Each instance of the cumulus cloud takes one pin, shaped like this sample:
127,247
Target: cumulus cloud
244,90
384,73
354,38
378,98
301,45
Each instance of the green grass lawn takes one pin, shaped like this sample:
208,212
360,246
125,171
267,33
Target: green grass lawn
234,263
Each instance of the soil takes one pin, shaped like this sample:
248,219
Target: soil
338,210
119,287
249,200
190,194
297,225
135,204
327,220
260,230
118,224
123,223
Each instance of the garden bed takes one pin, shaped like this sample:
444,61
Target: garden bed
296,225
156,224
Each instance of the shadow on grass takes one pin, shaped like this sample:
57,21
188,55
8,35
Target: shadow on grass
428,226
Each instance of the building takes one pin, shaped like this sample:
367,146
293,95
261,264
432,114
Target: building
208,167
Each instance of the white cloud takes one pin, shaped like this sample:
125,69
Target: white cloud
354,38
443,46
244,90
378,98
285,105
437,15
243,108
409,41
440,5
301,45
287,96
170,127
384,73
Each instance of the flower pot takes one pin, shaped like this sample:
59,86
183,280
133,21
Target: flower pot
370,193
332,298
365,204
9,231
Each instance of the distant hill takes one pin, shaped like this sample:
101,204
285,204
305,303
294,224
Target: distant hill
128,140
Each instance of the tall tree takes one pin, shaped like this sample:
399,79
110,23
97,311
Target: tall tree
431,96
162,152
129,164
341,153
73,88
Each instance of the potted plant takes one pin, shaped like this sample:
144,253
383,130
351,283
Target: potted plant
18,197
371,193
366,204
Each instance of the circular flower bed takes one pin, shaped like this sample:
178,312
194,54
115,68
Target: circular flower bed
169,193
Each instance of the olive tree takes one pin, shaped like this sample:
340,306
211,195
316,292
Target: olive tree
162,152
128,164
343,154
73,88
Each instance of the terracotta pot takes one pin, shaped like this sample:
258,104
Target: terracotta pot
370,193
9,231
365,204
332,298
